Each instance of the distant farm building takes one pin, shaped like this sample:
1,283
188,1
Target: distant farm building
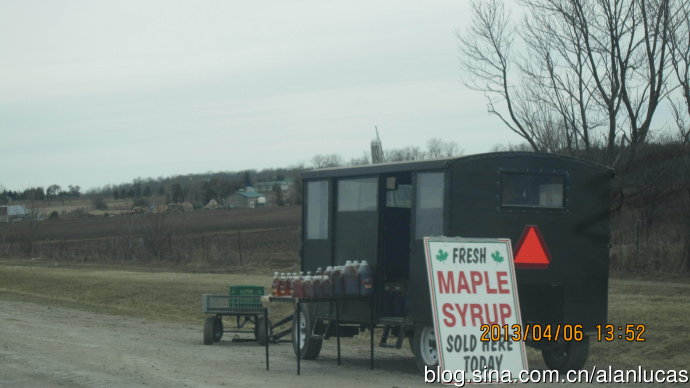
11,213
265,187
246,199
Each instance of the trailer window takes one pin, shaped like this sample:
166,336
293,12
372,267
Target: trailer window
317,210
357,195
532,190
429,209
400,197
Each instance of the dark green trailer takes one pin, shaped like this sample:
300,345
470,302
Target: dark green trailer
380,213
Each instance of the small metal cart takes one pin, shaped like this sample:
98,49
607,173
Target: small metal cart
246,308
243,303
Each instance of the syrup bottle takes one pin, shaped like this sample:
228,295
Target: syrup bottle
276,284
282,284
366,279
308,287
297,288
327,286
351,280
336,278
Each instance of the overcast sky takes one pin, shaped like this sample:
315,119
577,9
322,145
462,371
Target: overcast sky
99,92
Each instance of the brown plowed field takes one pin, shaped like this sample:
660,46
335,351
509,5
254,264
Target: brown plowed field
222,237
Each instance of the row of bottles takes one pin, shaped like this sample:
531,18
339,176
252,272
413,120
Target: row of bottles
352,279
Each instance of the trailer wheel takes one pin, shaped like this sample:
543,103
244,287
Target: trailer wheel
423,344
567,356
260,330
213,330
304,342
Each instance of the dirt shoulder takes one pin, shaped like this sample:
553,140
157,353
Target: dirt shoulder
53,346
99,326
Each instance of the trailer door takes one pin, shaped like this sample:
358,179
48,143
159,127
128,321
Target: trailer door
429,200
356,220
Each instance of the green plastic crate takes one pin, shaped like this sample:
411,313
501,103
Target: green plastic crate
246,298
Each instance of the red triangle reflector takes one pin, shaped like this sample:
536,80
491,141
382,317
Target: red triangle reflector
531,251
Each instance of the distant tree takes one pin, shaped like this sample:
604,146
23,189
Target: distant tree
136,189
324,161
176,193
247,179
74,191
34,194
437,148
361,161
409,153
53,191
208,190
147,191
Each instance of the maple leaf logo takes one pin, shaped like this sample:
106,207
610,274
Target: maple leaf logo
441,256
497,257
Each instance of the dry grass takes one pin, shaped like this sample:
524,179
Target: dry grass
161,294
169,296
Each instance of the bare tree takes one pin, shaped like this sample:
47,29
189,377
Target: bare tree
437,148
680,60
577,66
324,161
361,161
408,153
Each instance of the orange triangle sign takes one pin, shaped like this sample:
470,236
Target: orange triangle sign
531,251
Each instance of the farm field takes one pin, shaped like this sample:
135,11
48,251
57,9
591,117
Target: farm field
161,295
134,320
211,239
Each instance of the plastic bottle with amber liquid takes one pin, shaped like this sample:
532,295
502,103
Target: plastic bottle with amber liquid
275,285
366,279
316,283
281,284
337,280
288,284
297,288
350,279
307,286
327,282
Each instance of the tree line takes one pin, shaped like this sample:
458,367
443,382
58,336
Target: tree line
39,194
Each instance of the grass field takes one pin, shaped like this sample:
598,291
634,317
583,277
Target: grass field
166,295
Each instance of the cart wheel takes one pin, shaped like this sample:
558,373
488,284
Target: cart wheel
304,341
218,329
260,330
209,330
423,344
567,356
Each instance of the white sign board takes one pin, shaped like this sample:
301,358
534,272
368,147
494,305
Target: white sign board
472,283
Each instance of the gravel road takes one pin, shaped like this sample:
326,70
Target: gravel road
43,346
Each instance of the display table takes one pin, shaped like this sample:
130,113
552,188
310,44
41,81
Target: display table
297,302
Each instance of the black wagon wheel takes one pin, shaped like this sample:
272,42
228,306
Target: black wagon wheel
218,329
567,356
304,342
260,330
210,330
424,348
